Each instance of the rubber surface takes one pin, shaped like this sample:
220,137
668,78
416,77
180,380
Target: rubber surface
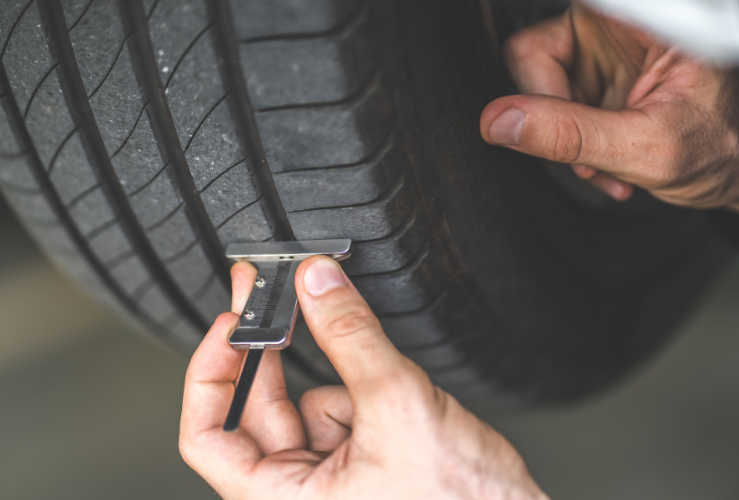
138,139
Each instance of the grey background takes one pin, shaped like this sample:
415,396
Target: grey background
89,409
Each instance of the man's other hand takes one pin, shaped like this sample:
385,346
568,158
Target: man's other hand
389,433
622,108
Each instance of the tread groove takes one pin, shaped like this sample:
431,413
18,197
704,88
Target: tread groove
187,50
165,218
133,129
205,118
115,261
81,196
237,212
19,189
224,173
366,89
344,28
242,112
64,219
12,29
182,252
81,113
59,148
84,11
147,73
151,9
12,156
376,156
412,264
38,86
390,192
148,183
106,225
107,73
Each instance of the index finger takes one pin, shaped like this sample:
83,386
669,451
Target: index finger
539,57
214,454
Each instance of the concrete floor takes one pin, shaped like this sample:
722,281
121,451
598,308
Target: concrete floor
89,409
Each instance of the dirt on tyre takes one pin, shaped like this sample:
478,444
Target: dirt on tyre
139,138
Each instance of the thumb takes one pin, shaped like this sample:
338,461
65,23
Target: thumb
346,329
568,132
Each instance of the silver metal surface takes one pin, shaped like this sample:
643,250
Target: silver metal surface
269,316
296,250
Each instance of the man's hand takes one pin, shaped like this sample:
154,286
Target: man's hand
390,433
622,109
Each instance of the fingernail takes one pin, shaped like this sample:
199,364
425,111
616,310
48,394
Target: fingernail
506,129
323,275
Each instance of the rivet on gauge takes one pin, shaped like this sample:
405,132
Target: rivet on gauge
260,281
249,313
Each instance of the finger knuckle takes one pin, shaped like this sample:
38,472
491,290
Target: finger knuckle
352,322
407,384
518,45
186,448
566,141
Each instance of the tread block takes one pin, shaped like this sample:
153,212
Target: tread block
191,270
48,120
72,174
172,27
195,89
11,10
392,252
15,173
214,301
138,161
306,348
173,235
73,10
92,212
110,244
76,266
260,18
130,274
342,186
334,134
447,336
118,103
443,356
451,380
249,224
186,336
27,58
309,70
361,222
8,143
156,305
214,148
429,325
96,49
32,208
228,194
156,201
54,239
406,289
